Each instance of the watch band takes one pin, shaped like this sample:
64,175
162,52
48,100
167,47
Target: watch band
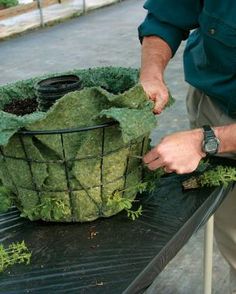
208,132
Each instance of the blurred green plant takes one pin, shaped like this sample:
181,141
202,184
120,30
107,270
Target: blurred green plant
13,254
8,3
5,199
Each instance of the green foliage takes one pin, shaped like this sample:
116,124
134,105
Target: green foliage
134,214
118,200
149,183
220,175
31,213
8,3
5,199
13,254
54,208
151,178
211,176
50,208
126,203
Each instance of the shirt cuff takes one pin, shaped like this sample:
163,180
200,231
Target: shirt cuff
169,33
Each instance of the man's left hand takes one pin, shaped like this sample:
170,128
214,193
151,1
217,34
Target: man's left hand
180,152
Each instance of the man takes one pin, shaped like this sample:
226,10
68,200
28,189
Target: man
210,69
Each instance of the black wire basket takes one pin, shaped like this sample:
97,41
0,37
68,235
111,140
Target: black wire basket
57,171
81,201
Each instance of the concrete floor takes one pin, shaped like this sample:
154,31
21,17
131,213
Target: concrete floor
104,37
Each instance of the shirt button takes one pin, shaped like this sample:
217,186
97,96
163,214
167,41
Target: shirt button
212,31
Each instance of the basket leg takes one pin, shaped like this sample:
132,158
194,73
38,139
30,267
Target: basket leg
208,254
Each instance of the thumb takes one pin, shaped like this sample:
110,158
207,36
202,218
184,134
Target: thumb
160,103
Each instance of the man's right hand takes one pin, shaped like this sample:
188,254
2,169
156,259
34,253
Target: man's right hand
156,53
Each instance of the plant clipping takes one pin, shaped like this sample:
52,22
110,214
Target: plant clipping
15,253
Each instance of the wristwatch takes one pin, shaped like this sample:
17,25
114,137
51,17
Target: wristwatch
210,143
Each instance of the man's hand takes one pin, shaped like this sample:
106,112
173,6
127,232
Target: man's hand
179,152
155,55
156,91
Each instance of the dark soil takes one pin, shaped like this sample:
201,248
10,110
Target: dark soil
21,107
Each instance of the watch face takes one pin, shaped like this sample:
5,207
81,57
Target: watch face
211,146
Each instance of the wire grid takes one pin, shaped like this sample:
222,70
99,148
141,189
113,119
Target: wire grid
67,161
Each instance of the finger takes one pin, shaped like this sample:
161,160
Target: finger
150,156
155,164
160,103
167,170
153,98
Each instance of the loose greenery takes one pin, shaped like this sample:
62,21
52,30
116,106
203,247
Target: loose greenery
211,176
15,253
220,175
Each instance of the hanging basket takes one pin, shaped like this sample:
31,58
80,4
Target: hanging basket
77,161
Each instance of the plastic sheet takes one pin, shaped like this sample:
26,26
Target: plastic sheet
114,255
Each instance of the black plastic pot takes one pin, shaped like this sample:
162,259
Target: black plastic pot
51,89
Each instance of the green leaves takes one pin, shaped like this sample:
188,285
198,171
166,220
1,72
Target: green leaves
221,175
134,214
126,204
211,176
5,199
15,253
50,208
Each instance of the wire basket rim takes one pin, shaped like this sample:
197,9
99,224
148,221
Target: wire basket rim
66,130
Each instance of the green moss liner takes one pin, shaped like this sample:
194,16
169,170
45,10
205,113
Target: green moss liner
73,175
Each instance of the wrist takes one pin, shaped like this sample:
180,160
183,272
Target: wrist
217,133
151,76
210,143
227,138
198,138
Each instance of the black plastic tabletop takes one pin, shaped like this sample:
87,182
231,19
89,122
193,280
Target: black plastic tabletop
114,255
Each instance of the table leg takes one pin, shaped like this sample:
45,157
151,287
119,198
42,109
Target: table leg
84,6
40,13
208,253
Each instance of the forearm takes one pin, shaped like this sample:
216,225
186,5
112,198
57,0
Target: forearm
227,137
156,54
226,134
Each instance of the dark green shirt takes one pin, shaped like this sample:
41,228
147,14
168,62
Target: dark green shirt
210,53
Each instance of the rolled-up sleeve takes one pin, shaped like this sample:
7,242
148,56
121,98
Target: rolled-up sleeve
170,20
